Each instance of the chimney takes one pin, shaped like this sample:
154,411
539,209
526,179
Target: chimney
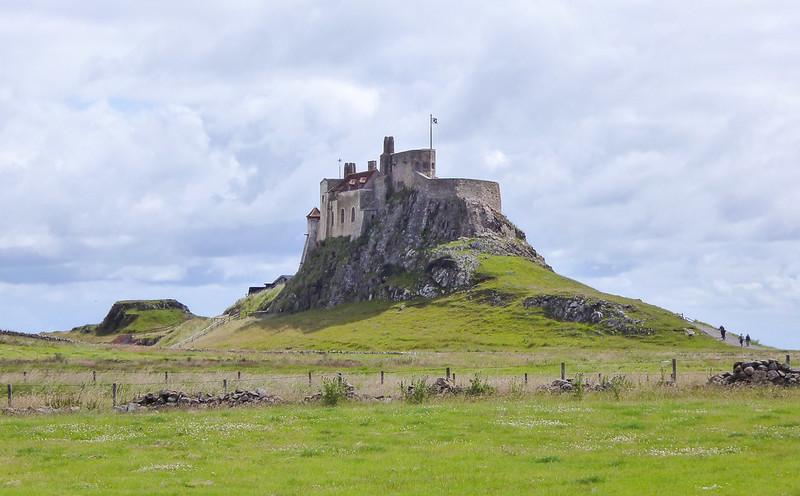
372,165
349,168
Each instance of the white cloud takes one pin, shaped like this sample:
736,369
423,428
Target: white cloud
647,149
495,159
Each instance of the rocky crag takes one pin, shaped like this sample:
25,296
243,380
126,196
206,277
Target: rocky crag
421,247
612,317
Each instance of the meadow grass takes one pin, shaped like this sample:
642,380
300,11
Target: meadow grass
653,441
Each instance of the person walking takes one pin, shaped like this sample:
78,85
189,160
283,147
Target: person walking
741,341
747,340
722,332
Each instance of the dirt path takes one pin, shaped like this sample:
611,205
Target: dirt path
215,322
731,339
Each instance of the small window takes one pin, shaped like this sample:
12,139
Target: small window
341,216
352,214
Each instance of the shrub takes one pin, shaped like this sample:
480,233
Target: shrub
479,387
333,391
416,392
517,388
617,385
579,387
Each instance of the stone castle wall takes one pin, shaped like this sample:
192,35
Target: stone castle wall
469,190
409,164
345,217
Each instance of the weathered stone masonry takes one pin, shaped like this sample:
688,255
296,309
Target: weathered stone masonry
348,206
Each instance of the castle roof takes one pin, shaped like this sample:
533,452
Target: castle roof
314,214
355,181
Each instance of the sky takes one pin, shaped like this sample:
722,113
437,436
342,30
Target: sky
172,149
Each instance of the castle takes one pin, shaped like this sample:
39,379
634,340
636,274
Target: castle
348,206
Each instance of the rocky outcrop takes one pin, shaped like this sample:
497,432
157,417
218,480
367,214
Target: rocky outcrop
420,247
135,340
759,372
613,317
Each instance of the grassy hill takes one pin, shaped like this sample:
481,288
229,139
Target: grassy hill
138,322
492,315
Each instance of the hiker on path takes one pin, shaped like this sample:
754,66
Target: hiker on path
741,341
747,339
722,332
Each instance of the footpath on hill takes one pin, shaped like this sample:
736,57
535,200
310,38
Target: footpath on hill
732,339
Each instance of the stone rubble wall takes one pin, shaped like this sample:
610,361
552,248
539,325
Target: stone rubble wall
168,399
41,337
759,372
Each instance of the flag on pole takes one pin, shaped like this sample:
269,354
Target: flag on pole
434,120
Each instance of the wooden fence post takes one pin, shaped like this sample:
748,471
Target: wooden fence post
166,377
94,376
225,386
526,377
25,376
447,373
114,394
239,375
309,377
10,389
381,377
788,361
339,377
674,370
563,371
454,377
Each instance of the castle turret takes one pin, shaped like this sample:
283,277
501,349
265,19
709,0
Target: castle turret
386,156
312,235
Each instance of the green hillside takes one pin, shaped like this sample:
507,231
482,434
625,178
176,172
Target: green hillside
490,316
252,303
138,322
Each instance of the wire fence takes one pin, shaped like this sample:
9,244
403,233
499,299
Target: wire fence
88,388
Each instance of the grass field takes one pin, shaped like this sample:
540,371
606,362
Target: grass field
655,441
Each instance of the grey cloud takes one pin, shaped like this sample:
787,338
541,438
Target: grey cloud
175,148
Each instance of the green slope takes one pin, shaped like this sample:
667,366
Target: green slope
490,316
143,321
253,303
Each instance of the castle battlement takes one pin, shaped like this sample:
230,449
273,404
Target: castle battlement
349,205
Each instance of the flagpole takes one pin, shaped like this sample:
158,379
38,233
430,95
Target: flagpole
430,123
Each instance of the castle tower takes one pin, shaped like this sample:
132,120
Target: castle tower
311,237
386,156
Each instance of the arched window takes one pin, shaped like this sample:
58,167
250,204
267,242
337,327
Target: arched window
352,214
341,216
